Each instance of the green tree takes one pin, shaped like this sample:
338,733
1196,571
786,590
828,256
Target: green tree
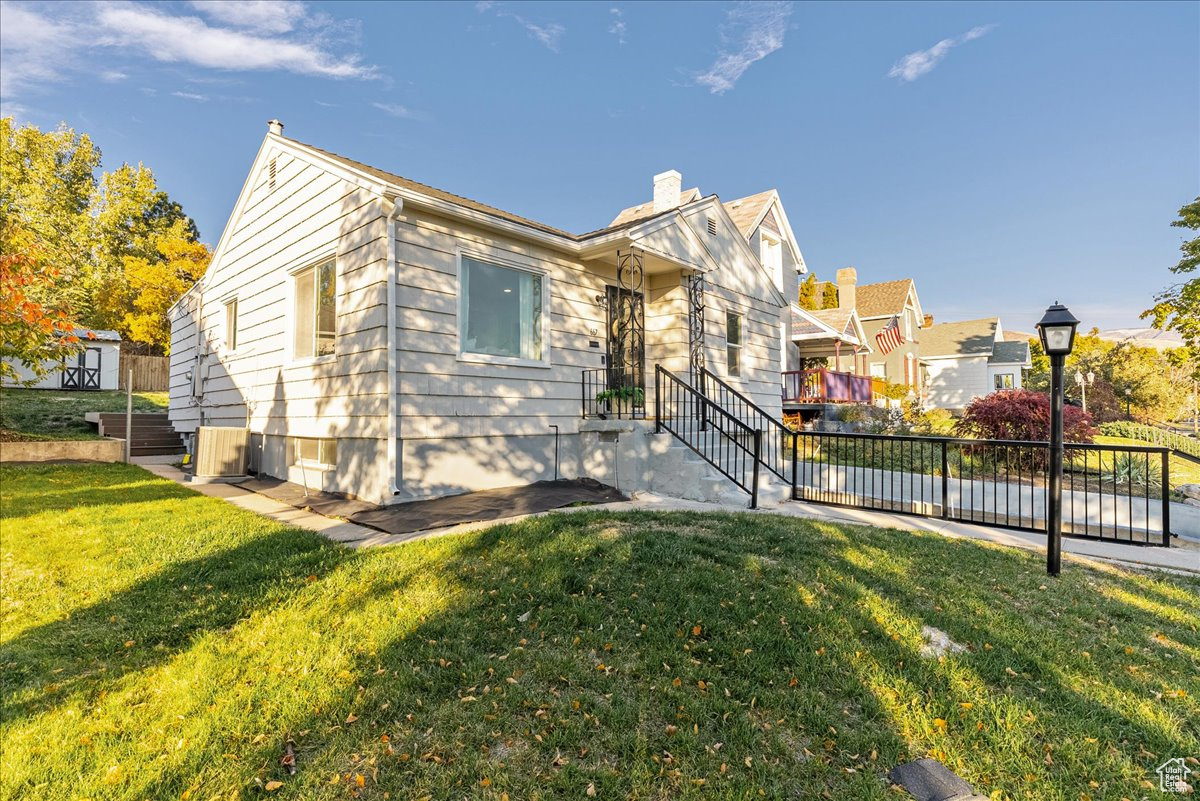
808,293
1177,308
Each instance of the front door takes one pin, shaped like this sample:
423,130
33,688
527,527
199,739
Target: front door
626,339
85,373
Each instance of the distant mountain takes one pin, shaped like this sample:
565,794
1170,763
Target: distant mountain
1144,337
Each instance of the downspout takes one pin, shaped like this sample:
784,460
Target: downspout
393,375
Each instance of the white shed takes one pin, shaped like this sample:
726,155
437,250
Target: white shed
97,366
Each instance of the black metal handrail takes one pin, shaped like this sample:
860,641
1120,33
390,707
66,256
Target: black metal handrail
777,437
725,442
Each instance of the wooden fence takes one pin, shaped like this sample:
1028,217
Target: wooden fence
150,373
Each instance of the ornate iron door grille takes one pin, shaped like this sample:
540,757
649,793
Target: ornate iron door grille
695,287
627,323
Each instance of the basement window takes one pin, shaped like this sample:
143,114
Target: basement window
312,452
733,343
500,311
316,312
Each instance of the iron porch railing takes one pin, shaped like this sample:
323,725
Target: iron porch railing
613,393
825,386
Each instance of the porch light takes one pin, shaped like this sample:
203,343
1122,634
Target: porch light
1057,330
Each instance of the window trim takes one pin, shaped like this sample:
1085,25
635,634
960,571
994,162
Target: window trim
731,370
471,357
290,331
1012,381
230,304
297,461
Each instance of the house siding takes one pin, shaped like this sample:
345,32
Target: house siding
954,383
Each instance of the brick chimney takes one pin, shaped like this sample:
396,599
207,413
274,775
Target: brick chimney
847,281
275,127
667,188
928,320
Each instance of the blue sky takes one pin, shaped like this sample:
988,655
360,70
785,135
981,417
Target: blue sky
1005,155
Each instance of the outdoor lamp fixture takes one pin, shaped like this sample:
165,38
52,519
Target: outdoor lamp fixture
1128,400
1057,332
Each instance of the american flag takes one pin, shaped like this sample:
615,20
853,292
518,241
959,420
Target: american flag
889,337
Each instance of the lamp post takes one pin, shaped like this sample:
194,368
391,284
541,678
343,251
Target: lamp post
1128,401
1084,382
1057,332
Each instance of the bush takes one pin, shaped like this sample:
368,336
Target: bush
1021,414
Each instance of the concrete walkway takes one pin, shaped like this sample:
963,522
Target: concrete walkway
1182,557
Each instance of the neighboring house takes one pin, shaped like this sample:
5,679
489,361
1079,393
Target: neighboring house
96,366
970,359
877,305
393,341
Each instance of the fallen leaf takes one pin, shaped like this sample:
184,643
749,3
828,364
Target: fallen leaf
273,785
351,718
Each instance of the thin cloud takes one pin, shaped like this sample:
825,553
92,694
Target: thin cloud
750,33
45,44
264,16
618,28
191,96
914,65
396,110
112,76
549,35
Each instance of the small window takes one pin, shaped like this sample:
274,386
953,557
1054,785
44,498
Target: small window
771,254
1004,381
500,311
879,370
316,317
712,226
733,343
231,324
311,452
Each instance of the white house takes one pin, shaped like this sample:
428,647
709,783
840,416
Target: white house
383,338
96,366
969,359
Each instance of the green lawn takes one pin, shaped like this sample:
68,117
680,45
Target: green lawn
157,644
34,414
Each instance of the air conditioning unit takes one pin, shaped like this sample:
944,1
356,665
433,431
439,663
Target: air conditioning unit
221,452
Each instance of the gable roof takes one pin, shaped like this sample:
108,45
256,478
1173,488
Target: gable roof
966,338
747,212
1010,353
882,299
837,324
643,210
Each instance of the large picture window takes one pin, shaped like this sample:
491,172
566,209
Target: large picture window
500,311
733,343
316,315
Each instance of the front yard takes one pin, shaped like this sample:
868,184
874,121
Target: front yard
49,414
159,644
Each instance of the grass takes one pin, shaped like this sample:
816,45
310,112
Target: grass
48,414
159,644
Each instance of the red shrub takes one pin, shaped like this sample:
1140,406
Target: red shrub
1021,414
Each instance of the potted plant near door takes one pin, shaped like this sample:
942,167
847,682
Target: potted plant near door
621,401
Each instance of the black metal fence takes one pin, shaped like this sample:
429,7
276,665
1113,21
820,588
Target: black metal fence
1111,492
613,393
728,444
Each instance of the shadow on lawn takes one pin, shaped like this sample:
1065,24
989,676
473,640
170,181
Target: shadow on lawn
774,601
161,616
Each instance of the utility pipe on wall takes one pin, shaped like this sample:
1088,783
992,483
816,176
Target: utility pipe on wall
393,380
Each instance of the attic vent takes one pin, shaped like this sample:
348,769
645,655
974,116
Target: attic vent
271,172
712,226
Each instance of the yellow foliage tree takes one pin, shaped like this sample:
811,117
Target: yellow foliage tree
157,283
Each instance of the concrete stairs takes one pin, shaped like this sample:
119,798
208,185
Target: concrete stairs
679,472
153,434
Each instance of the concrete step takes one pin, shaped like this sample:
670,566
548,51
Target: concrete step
156,450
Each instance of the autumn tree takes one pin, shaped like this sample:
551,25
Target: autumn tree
808,293
829,298
36,324
157,282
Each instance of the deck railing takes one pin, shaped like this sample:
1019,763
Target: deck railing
825,386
